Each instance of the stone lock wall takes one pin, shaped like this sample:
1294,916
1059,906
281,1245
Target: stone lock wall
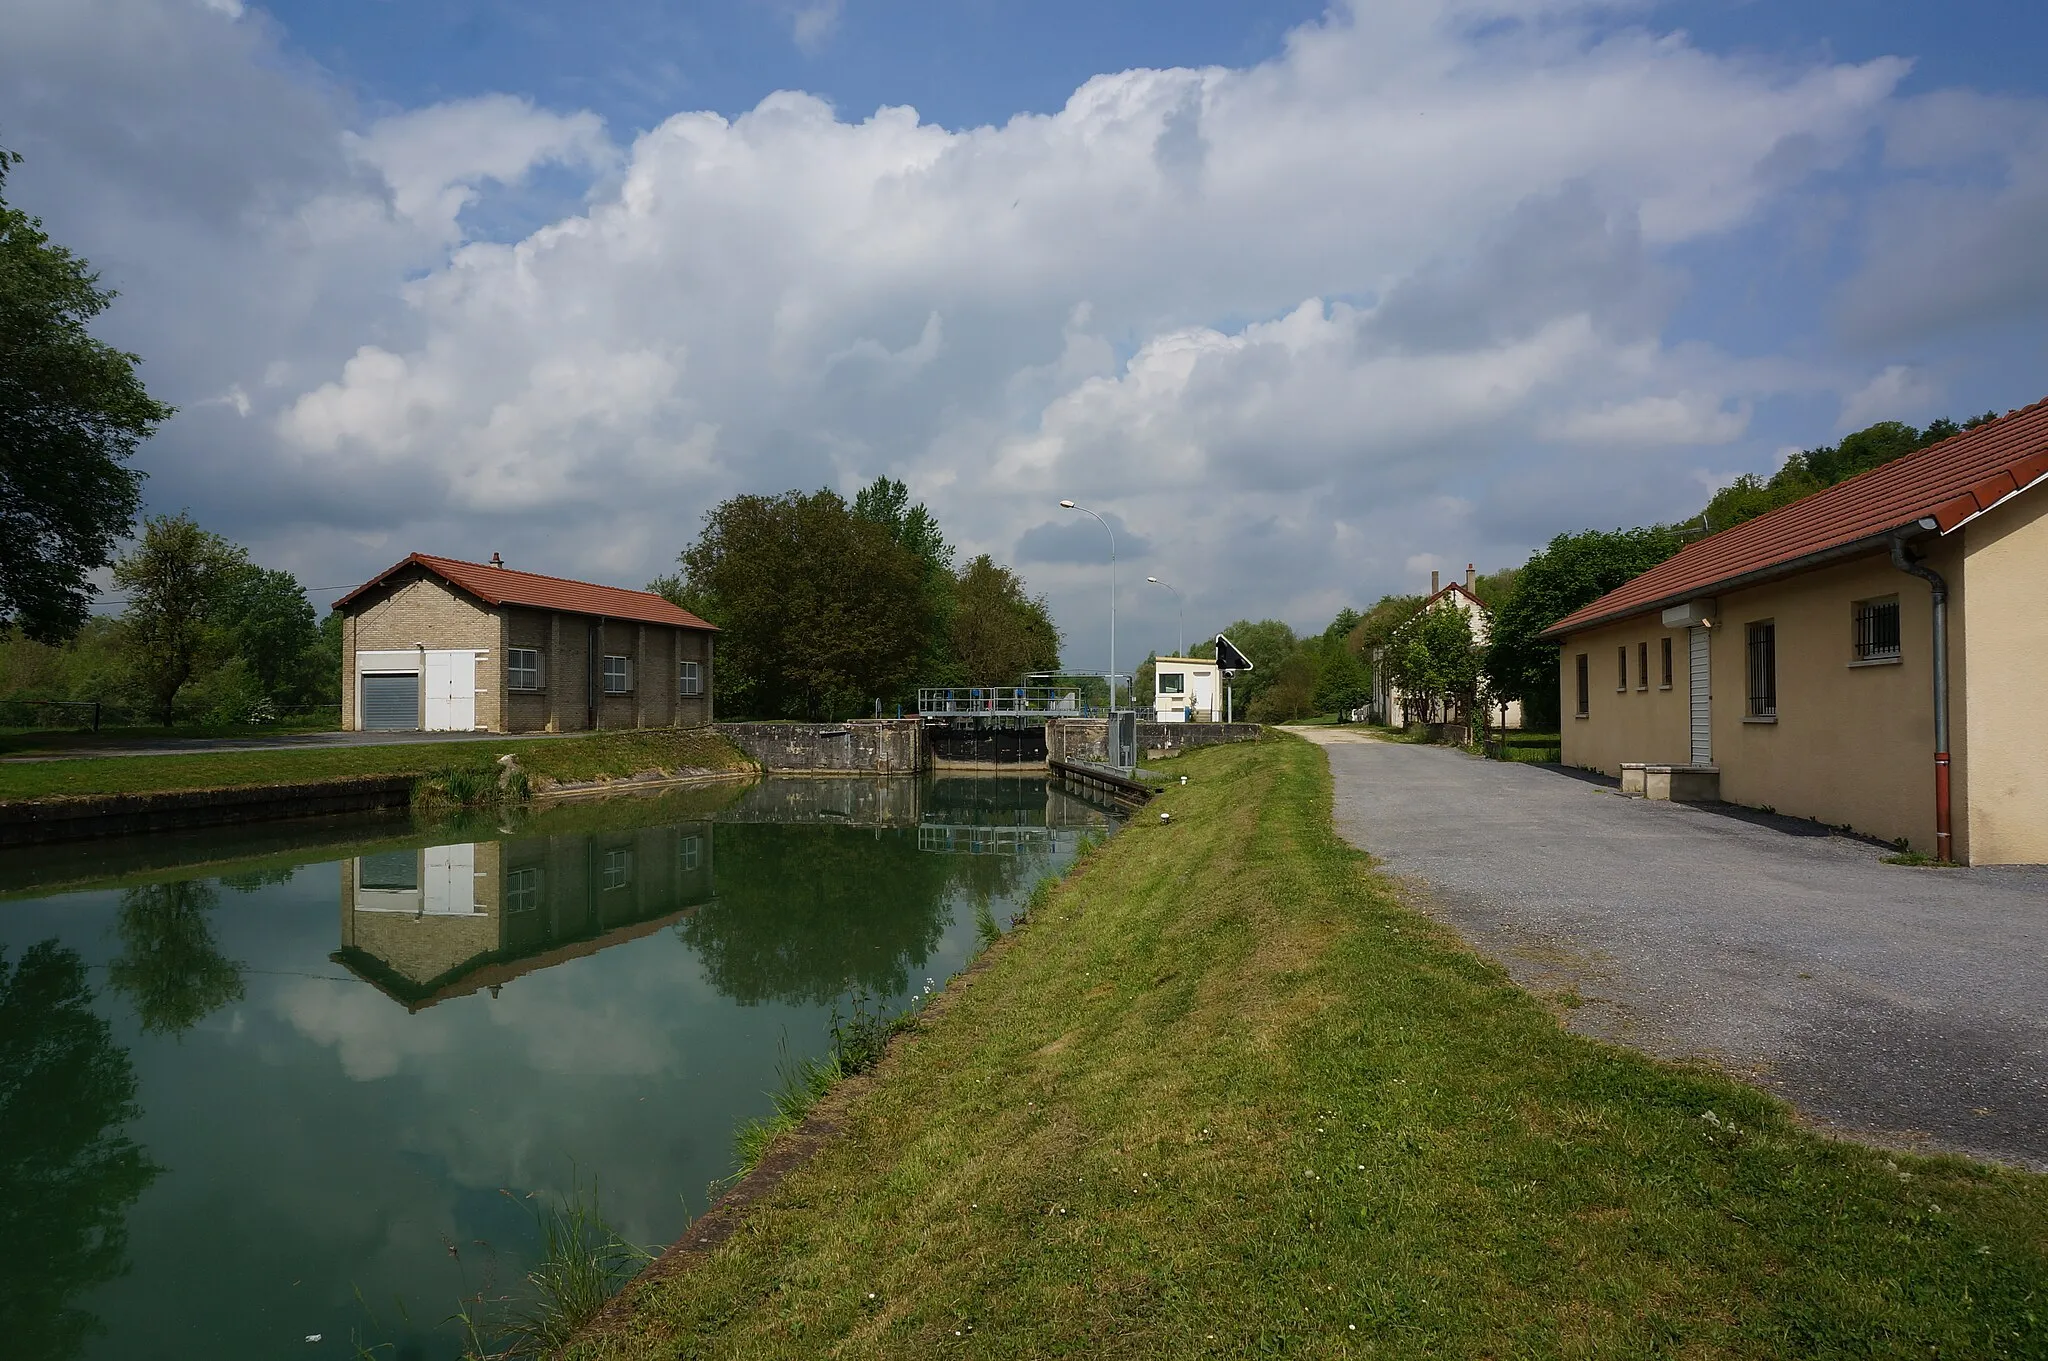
864,747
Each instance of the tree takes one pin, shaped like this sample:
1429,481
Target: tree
270,625
1267,645
177,578
821,609
998,632
1289,690
1343,684
1812,470
1574,570
1435,659
68,1172
72,412
169,967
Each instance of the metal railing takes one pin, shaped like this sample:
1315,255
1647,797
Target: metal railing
84,712
964,701
975,839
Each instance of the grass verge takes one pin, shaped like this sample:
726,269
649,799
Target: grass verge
548,761
1227,1095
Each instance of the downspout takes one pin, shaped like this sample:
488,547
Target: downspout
1903,559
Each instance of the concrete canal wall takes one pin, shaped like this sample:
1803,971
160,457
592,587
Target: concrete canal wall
41,821
868,746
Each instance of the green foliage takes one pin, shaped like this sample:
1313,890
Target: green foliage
68,1172
1435,659
1267,644
169,967
998,632
72,412
178,579
822,609
1574,570
1343,684
1812,470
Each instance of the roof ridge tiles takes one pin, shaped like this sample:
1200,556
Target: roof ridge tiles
1950,482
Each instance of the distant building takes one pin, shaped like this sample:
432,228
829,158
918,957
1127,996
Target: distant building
1187,690
1798,660
1389,705
440,645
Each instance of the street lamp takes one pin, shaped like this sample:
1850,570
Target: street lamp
1069,505
1180,605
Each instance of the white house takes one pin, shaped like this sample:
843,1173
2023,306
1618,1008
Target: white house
1392,707
1186,690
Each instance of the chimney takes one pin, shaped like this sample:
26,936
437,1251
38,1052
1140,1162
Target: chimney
497,561
1435,581
1471,577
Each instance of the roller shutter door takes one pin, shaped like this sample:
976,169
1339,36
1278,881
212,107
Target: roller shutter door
391,703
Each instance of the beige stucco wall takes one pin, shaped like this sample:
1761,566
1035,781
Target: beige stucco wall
1633,725
2005,569
416,607
1851,745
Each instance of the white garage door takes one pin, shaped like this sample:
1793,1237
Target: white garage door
451,691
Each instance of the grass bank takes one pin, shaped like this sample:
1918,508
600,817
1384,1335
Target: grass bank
1228,1096
558,760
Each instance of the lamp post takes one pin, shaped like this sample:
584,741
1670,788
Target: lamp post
1181,605
1069,505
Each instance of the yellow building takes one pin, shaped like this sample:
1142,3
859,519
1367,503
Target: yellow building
1872,656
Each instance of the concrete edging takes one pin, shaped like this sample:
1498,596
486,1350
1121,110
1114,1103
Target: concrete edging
41,821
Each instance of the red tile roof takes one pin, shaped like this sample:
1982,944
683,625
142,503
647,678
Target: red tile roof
504,586
1948,483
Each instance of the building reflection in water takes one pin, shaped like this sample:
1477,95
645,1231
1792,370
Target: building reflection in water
424,924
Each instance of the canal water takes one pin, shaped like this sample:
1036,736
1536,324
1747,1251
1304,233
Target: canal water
307,1083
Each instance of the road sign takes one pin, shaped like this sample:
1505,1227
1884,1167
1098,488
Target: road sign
1229,659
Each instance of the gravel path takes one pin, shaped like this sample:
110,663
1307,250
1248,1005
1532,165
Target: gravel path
1908,1007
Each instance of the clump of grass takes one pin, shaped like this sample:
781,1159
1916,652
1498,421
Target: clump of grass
583,1263
478,783
859,1039
1917,859
987,930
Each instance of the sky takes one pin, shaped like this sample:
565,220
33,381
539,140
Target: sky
1305,301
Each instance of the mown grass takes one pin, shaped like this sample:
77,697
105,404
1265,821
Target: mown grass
37,741
1228,1096
546,761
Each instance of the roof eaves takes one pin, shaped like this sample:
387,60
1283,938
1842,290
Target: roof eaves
1992,492
1854,548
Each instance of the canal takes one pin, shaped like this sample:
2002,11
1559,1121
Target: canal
307,1084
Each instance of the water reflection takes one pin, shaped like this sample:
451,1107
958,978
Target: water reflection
424,924
339,1111
68,1172
169,967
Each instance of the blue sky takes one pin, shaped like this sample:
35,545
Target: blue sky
1309,300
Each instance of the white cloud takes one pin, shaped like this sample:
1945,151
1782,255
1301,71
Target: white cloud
812,24
1394,293
1898,393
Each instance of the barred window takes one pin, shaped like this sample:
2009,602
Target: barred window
1585,690
618,869
1877,630
1763,669
1666,682
522,668
1621,668
618,675
1642,666
522,890
692,679
689,854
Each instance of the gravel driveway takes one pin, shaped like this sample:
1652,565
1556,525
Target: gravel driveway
1904,1006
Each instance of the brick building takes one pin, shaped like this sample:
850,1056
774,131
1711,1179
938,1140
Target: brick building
440,645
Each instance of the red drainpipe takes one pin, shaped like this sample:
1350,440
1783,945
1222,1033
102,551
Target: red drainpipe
1944,840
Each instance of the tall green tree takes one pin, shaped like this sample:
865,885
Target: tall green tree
72,412
178,578
1343,684
1812,470
1574,570
68,1170
1434,658
998,631
271,626
1266,644
821,609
